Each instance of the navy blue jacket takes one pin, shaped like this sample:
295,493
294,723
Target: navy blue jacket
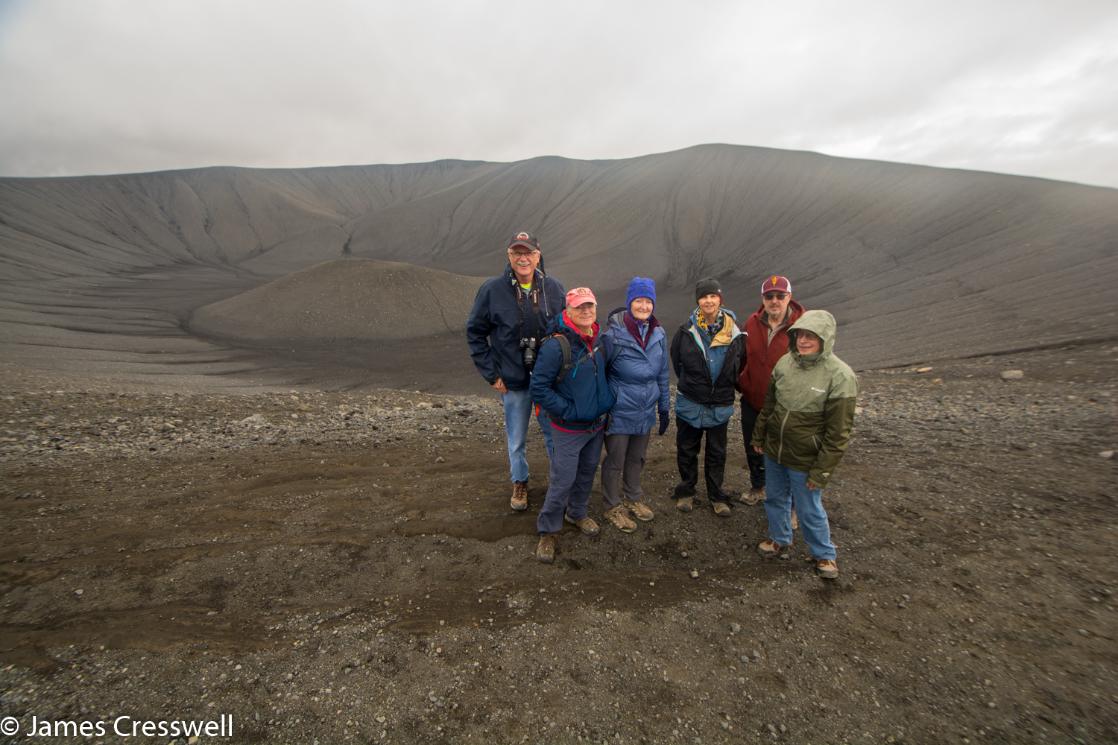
584,395
638,377
502,316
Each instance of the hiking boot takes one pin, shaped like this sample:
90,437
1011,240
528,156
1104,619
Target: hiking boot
684,504
585,524
619,518
519,500
753,496
545,549
795,520
826,568
722,509
641,511
770,549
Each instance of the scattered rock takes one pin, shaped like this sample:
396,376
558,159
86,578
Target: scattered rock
1013,374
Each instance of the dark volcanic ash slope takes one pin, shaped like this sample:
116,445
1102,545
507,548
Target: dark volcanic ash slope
346,299
917,263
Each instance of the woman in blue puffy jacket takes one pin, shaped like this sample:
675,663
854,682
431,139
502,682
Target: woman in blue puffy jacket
637,373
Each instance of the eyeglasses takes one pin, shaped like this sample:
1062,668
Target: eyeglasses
775,295
533,252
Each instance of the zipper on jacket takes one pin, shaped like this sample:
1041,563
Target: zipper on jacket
780,447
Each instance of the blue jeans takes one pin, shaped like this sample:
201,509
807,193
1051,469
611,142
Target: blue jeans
784,488
518,413
571,477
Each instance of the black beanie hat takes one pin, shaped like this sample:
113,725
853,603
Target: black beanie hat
708,286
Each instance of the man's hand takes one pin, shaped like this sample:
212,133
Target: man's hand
811,485
500,387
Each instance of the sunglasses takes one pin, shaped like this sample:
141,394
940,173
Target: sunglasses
775,295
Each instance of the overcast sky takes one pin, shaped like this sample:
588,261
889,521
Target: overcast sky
99,86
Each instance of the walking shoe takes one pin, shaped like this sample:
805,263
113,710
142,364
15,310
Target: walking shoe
684,504
753,496
826,568
640,510
545,549
619,518
795,520
770,549
519,500
722,509
585,524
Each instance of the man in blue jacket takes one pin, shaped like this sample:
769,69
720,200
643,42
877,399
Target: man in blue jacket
506,326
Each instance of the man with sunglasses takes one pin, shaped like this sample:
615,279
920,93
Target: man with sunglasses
766,342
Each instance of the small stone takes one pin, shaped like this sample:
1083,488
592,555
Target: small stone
79,593
1107,454
735,628
694,574
922,370
1013,374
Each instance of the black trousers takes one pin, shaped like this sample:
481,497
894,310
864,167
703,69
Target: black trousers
755,461
688,440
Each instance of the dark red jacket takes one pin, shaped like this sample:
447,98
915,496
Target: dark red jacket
761,354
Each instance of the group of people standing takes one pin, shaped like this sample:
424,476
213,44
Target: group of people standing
542,348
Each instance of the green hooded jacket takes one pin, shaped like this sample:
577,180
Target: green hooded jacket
809,408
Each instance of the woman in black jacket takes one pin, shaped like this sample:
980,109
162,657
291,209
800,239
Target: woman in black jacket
707,354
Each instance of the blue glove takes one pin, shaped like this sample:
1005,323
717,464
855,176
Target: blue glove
664,422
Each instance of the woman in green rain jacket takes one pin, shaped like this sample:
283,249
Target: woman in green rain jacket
803,431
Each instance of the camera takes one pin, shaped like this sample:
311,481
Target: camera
528,348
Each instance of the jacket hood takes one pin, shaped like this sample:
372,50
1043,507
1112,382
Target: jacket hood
822,324
617,317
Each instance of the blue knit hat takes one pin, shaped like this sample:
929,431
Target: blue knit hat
641,287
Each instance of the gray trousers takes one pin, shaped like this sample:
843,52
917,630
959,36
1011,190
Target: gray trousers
574,461
621,469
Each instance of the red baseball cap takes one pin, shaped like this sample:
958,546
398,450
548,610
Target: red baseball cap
776,283
580,296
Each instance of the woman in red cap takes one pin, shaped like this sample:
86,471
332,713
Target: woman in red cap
569,383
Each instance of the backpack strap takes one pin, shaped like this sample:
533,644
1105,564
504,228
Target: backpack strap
565,348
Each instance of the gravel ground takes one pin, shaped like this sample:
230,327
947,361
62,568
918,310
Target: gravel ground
342,567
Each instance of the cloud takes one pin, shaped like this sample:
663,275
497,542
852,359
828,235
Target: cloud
103,86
